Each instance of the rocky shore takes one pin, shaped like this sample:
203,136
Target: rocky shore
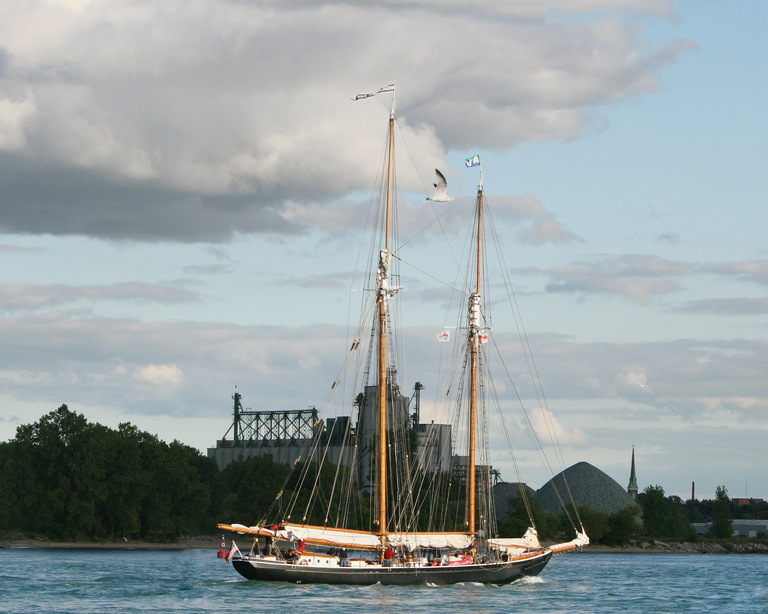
702,547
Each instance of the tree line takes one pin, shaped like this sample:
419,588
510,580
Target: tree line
66,478
655,516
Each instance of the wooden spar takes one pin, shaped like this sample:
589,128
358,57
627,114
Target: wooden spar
474,341
383,290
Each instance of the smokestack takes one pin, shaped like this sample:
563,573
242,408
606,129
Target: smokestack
693,491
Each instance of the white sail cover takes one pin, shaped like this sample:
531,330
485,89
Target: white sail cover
330,536
456,541
316,535
582,539
529,540
356,539
241,528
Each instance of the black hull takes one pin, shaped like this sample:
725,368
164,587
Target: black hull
492,573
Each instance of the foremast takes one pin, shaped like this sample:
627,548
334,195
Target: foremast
474,330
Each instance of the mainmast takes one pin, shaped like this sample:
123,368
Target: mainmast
474,342
384,291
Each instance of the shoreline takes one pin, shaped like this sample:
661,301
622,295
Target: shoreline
213,543
659,547
200,542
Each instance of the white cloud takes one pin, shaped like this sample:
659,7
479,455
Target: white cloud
162,376
192,108
548,428
27,296
637,277
13,116
633,380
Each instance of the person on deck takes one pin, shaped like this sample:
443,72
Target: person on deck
389,555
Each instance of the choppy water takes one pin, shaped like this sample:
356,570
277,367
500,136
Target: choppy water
113,582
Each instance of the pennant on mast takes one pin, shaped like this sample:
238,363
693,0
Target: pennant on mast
382,90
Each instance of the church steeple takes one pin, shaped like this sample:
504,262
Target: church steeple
632,488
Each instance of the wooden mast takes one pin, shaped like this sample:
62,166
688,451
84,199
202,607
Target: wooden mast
384,292
474,342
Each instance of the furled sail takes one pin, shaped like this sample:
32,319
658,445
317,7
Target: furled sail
529,540
339,538
348,538
580,541
329,536
457,541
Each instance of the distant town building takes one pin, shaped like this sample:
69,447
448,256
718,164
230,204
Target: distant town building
632,488
741,527
745,501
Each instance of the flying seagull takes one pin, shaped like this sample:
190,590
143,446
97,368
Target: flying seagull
441,187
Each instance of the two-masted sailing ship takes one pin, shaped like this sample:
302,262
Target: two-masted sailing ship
412,537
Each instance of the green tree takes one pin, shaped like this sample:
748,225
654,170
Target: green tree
125,483
655,510
547,524
61,465
595,523
722,524
189,480
7,490
66,478
247,489
623,526
664,517
177,499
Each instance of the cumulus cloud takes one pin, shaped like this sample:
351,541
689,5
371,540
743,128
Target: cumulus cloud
163,369
646,277
634,381
199,119
654,379
637,277
19,249
33,296
165,376
102,360
537,224
549,428
754,271
727,306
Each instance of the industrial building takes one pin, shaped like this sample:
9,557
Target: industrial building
291,435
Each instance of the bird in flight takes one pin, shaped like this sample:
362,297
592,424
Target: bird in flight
441,189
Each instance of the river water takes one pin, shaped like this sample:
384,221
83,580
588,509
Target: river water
117,581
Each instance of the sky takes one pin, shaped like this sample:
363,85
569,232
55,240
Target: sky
182,187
